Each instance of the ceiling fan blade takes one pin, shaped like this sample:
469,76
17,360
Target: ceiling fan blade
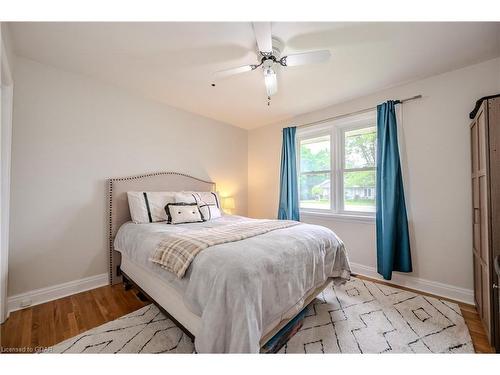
262,31
271,82
230,72
306,58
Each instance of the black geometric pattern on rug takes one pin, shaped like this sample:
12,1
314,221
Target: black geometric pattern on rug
358,317
146,330
380,319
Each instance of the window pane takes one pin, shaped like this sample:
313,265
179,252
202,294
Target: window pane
314,190
359,191
359,148
315,154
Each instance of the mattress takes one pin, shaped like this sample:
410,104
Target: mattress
163,292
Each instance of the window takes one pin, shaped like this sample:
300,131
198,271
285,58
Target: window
315,172
359,169
337,166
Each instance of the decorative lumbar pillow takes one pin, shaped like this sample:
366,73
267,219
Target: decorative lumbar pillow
179,213
208,202
149,206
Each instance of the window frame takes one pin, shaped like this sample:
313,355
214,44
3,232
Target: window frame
337,129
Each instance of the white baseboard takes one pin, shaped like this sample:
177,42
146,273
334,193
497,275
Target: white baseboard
423,285
38,296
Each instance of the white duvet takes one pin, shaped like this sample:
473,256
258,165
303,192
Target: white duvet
240,287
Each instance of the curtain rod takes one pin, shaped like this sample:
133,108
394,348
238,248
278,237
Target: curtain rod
355,112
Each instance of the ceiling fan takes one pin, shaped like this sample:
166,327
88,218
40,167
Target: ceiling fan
269,51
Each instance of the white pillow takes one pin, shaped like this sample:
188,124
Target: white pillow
149,206
179,213
184,197
208,202
210,212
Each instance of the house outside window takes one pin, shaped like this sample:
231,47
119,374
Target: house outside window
337,166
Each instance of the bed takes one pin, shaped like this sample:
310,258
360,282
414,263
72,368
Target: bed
235,296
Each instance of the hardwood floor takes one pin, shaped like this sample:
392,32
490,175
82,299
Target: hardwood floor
44,325
47,324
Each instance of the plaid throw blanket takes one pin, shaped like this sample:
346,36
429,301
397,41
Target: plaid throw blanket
176,252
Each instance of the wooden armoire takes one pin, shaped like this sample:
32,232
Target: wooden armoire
485,158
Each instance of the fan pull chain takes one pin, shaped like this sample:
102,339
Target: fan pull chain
268,101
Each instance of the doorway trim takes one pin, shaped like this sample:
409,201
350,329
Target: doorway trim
6,103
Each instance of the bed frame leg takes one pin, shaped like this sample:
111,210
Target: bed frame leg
142,297
127,285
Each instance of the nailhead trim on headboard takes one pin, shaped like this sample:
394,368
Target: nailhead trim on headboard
110,192
110,200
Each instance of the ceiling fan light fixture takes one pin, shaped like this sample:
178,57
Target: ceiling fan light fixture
270,81
270,56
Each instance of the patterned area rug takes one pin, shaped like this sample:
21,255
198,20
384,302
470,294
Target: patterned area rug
358,317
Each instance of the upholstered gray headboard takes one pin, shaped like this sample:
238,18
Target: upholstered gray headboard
118,204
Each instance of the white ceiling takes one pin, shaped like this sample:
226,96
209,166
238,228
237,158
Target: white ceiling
173,62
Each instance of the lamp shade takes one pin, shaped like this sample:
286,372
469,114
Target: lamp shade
270,81
228,203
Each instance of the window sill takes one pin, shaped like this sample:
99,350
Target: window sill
369,219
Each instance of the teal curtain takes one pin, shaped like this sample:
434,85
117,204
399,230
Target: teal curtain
289,193
393,242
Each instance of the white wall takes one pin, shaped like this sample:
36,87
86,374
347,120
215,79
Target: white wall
71,133
436,168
